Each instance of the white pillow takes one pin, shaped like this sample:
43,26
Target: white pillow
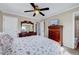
0,44
5,43
1,33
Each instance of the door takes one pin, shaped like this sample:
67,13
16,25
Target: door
38,28
42,28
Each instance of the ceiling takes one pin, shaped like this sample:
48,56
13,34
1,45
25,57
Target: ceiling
19,8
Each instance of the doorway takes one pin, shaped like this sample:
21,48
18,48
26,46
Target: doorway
76,29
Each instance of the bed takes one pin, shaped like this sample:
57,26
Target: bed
32,45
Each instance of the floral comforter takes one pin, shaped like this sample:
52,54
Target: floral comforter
32,45
35,45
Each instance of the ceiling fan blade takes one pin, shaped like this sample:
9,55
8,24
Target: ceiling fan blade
44,9
41,13
29,11
34,14
33,5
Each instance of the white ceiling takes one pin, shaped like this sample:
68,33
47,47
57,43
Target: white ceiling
19,8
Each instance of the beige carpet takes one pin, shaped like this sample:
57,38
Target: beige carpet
69,51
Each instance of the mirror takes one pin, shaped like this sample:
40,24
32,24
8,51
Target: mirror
27,26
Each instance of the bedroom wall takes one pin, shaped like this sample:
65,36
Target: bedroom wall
19,18
66,19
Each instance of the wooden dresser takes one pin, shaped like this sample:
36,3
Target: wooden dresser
55,32
24,34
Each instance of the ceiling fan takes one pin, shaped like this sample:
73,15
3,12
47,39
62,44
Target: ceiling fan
37,10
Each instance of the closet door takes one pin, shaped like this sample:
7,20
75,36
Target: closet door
10,25
42,28
38,28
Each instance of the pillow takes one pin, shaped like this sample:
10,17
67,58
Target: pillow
0,43
5,38
5,43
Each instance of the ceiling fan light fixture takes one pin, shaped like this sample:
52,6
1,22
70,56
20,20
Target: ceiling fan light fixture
36,11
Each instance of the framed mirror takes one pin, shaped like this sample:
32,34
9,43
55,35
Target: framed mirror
27,26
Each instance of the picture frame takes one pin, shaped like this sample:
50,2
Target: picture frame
54,22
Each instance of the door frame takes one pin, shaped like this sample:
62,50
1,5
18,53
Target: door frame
74,14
